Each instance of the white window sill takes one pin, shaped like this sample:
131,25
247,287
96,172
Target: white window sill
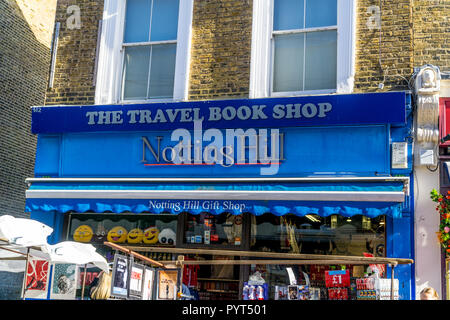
303,93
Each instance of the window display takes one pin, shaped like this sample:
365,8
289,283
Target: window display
136,229
312,234
205,228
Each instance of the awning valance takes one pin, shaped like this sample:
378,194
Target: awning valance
347,197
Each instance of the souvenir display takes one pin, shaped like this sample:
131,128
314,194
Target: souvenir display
136,281
151,235
64,281
314,293
100,233
120,277
117,234
338,284
255,291
135,236
281,293
36,279
83,233
167,236
383,289
167,283
293,292
149,277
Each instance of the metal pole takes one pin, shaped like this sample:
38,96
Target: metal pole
84,281
25,274
179,263
392,280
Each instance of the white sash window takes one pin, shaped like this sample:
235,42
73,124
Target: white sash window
302,47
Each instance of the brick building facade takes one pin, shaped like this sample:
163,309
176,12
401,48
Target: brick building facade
26,29
390,40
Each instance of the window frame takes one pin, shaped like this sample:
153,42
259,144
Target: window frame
262,50
109,84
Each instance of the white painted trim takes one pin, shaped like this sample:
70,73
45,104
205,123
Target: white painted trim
219,195
260,60
296,31
278,179
304,93
346,46
110,56
261,55
110,66
182,64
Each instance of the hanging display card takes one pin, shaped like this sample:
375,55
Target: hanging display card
338,278
64,281
167,284
120,277
149,276
136,281
36,279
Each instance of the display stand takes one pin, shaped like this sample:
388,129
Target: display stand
278,258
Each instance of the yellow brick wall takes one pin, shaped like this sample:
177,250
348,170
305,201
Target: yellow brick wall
432,33
25,36
220,50
75,60
390,59
40,15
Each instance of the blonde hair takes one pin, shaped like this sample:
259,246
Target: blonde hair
102,290
429,290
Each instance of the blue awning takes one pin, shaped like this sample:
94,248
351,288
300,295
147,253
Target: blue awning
345,197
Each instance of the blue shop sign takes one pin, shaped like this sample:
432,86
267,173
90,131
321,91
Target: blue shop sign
326,110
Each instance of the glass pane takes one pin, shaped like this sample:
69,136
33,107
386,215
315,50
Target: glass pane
164,20
136,67
288,14
312,234
321,60
137,21
143,229
162,71
288,63
320,13
332,235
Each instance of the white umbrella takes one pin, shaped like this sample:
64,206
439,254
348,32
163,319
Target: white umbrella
21,238
76,253
17,236
23,232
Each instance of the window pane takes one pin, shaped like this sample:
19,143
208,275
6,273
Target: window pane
288,14
164,20
320,60
320,13
288,63
136,72
137,21
162,71
332,235
206,228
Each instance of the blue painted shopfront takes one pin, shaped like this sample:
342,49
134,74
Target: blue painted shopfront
345,140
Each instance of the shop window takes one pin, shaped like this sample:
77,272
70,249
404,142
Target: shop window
312,234
123,229
296,48
224,229
150,41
